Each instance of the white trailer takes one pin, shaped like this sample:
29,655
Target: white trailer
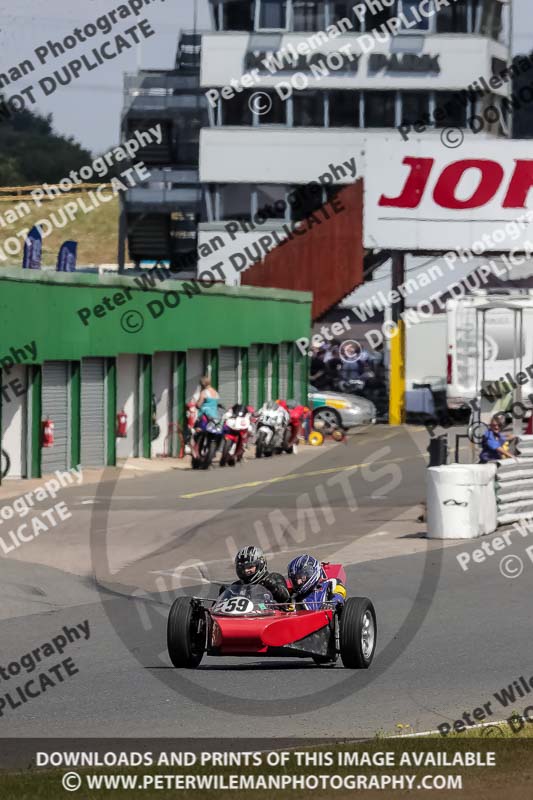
425,352
490,342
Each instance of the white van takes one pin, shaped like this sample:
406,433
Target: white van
490,340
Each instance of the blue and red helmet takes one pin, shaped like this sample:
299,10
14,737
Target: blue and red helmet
305,572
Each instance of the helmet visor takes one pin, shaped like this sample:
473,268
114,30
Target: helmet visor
248,571
301,577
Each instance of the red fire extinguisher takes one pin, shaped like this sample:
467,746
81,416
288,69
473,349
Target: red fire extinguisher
48,433
122,425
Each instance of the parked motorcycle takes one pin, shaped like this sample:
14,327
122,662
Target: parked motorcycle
205,442
297,415
237,426
271,427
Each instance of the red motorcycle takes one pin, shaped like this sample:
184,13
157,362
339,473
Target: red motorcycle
297,416
237,425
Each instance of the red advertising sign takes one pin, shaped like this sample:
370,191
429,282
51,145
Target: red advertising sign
434,198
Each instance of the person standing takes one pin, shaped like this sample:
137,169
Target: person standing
207,402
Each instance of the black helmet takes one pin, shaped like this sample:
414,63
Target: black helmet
246,560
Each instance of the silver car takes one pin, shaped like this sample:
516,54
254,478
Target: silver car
337,410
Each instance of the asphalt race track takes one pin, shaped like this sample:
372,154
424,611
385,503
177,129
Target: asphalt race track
448,639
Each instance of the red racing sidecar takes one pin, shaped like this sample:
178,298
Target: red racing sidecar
244,620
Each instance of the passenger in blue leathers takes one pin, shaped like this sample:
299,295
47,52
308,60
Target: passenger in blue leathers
310,586
495,444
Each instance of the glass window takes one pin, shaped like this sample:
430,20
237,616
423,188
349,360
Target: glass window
272,15
453,18
380,109
414,106
237,16
497,21
216,15
476,15
308,15
308,109
375,17
343,9
449,110
235,201
272,201
270,109
304,200
343,109
409,8
237,110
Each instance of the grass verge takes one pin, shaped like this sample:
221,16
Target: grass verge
96,232
511,777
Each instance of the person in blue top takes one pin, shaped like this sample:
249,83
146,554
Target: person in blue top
495,445
208,401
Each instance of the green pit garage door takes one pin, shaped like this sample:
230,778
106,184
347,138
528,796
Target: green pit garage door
56,407
93,412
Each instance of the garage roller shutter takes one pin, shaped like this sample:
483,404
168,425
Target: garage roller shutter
269,369
300,386
228,376
93,412
195,370
56,406
253,375
284,372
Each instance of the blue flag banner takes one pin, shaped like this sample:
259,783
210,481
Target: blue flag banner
66,260
33,249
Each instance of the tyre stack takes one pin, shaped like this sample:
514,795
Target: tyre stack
514,485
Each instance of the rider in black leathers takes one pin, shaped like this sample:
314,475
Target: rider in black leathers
251,567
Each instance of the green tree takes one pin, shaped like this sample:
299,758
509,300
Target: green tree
31,152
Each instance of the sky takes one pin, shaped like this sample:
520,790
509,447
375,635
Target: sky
89,108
